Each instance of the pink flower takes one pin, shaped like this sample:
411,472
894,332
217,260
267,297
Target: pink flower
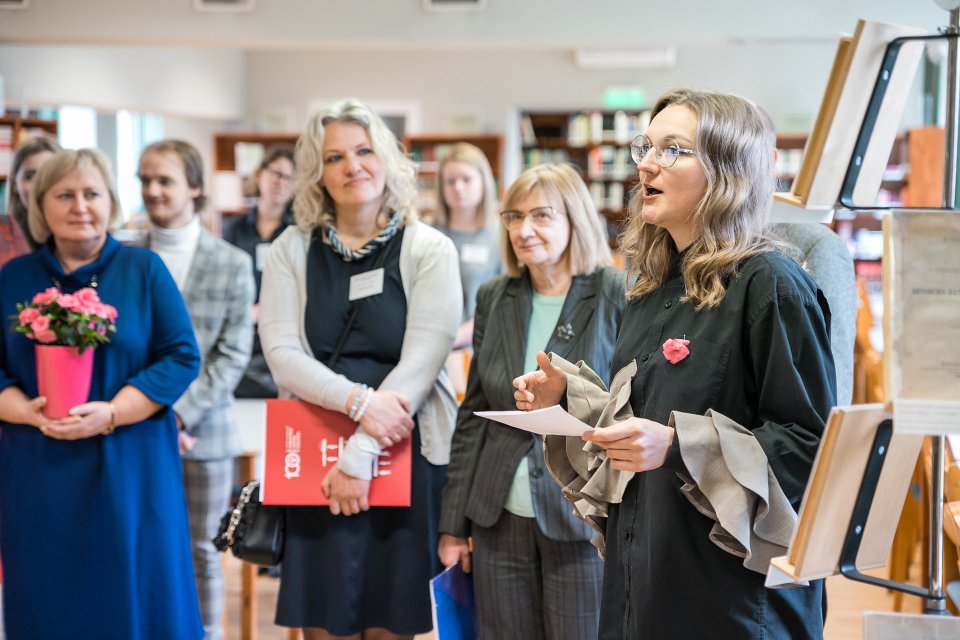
88,296
675,350
28,315
70,301
42,323
107,311
46,297
46,337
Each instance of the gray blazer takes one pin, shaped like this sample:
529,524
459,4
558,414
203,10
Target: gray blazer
485,454
826,258
218,292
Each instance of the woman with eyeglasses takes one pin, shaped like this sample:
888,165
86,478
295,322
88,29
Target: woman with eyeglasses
535,573
724,382
253,233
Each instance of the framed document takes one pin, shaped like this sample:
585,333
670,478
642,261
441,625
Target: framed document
921,287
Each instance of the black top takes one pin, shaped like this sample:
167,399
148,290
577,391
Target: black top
762,358
373,345
243,233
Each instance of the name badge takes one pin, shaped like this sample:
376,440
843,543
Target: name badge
260,255
475,254
364,285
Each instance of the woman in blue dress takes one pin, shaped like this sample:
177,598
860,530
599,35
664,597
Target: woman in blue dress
93,525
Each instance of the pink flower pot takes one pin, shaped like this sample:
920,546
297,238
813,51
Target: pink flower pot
63,376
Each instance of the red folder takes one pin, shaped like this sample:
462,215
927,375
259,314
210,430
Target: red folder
303,442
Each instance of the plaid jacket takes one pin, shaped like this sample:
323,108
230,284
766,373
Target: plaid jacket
219,296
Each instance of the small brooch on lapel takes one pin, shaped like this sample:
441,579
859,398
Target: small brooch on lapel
565,332
675,350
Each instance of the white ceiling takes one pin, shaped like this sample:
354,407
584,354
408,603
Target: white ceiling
538,24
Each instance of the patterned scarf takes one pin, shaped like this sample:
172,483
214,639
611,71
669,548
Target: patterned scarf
350,255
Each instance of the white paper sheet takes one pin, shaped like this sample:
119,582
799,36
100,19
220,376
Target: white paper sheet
552,421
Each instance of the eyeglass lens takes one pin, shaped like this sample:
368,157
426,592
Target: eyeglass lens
667,151
539,216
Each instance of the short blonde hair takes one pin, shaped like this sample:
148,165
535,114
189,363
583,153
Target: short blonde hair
53,171
562,185
312,204
470,155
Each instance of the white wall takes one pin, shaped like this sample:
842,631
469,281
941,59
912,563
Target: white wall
196,83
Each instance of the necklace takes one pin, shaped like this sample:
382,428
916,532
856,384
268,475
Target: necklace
92,283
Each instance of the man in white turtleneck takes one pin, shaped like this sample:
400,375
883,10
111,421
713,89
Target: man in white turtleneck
216,281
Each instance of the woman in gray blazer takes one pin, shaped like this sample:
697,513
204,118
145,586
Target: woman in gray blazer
535,573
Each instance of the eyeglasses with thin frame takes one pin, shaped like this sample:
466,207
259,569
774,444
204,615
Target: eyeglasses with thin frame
282,177
539,216
667,151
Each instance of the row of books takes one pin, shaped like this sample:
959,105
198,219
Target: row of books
593,127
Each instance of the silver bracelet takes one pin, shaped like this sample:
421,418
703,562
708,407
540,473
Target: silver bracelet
363,407
356,401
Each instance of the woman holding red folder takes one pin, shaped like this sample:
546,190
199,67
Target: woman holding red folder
359,307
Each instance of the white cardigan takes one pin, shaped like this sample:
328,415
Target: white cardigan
431,282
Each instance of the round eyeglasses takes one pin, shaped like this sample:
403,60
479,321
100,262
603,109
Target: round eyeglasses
667,151
539,216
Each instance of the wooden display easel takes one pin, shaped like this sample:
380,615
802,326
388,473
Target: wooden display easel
934,596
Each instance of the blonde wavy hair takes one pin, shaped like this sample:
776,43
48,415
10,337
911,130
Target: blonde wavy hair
730,221
312,204
564,188
470,155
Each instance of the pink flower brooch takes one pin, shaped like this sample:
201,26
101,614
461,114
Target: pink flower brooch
675,350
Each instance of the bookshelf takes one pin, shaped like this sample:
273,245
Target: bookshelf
427,150
14,130
595,141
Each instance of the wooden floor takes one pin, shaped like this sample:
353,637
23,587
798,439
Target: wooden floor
846,600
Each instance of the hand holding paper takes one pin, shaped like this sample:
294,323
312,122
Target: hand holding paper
552,421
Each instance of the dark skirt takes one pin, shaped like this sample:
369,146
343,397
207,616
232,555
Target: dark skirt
346,574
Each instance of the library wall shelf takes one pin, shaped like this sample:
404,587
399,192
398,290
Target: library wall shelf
596,142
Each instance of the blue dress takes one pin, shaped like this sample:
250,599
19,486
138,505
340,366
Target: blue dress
93,532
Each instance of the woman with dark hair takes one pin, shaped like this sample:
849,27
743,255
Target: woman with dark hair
15,236
352,570
253,233
725,380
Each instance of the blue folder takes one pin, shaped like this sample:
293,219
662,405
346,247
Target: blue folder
454,614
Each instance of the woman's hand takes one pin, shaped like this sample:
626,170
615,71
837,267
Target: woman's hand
453,549
33,412
387,417
347,495
540,389
85,421
636,444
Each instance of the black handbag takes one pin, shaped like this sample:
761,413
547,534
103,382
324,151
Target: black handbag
251,530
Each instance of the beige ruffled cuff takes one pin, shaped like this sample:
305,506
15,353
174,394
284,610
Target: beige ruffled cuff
582,469
729,480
